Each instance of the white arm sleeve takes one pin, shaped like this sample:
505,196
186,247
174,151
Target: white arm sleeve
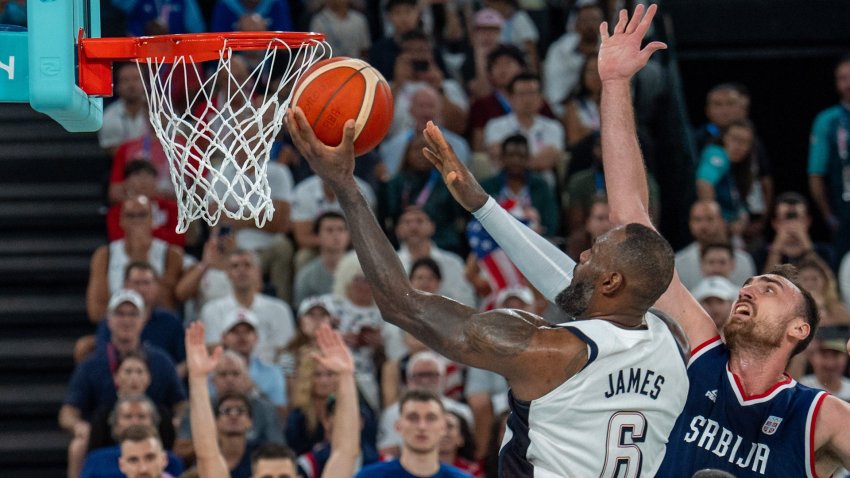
548,268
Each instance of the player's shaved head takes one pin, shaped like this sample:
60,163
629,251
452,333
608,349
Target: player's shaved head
647,260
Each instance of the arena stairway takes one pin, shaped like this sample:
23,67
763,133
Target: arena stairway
50,223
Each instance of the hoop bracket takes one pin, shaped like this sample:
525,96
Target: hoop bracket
96,55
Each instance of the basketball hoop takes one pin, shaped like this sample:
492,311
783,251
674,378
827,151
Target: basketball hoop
216,128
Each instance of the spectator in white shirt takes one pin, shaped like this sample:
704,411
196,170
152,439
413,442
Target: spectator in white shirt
545,136
275,325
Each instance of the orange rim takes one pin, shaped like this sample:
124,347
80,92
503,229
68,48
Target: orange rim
96,55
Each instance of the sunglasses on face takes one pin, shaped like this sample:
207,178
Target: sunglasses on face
233,411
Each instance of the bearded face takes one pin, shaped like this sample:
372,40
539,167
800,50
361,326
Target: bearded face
751,333
575,299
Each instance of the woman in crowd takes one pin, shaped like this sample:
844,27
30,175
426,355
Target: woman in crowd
312,313
724,174
817,278
457,447
314,385
581,112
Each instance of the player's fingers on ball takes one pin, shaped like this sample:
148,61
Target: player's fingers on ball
348,133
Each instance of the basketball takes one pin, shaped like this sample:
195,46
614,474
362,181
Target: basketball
338,89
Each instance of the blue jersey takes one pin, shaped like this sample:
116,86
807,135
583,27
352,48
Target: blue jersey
770,434
393,469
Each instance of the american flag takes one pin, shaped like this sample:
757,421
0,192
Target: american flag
497,267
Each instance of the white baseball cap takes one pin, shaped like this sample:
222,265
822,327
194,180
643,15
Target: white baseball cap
522,293
716,286
329,302
126,295
241,316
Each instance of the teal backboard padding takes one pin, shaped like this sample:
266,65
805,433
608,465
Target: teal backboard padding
48,62
14,77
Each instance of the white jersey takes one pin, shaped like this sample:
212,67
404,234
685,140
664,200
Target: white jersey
612,418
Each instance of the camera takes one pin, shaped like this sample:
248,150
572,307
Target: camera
420,65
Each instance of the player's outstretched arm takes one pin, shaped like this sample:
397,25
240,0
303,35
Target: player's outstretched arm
620,58
345,438
200,363
517,345
547,268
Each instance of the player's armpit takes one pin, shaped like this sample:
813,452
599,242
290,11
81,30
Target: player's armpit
832,437
534,357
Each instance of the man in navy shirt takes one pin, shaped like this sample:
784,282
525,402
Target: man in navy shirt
92,387
422,424
162,328
129,411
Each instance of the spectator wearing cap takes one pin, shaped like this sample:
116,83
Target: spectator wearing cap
484,38
316,277
140,177
240,336
716,295
275,326
129,411
162,328
312,313
415,231
828,357
92,386
231,377
425,371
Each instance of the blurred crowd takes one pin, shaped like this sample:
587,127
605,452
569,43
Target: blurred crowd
513,85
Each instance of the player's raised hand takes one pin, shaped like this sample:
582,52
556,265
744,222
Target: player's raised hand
463,186
620,53
334,164
334,354
198,360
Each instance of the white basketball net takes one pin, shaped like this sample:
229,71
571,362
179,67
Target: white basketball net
218,137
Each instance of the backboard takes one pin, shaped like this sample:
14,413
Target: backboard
38,64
